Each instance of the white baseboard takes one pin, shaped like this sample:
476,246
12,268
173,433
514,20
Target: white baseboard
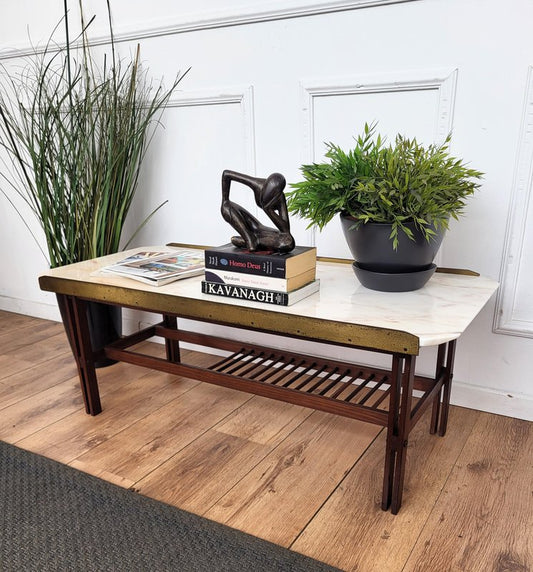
464,394
30,308
490,400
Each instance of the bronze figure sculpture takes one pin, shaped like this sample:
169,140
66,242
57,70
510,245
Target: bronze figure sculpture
269,196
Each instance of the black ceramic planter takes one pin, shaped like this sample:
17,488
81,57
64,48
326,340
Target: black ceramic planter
105,326
372,250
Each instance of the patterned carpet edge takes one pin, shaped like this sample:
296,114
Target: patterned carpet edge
56,518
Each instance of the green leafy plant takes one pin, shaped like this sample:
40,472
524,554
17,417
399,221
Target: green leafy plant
396,184
74,135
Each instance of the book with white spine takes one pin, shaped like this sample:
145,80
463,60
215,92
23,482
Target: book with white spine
263,282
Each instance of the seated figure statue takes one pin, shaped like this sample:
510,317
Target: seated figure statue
269,196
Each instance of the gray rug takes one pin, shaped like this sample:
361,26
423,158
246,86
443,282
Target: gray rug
55,518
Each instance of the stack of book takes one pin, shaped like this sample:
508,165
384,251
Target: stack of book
269,277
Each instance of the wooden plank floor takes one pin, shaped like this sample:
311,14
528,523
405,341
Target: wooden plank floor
306,480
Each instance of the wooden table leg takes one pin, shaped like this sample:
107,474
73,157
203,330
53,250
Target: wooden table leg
172,346
392,431
74,313
403,371
404,427
436,410
447,388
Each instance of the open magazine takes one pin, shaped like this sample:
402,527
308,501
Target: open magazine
159,267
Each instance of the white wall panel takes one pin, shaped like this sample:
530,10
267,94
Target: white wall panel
202,134
414,103
514,313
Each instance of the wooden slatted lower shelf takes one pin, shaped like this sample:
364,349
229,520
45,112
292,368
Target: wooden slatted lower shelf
308,375
350,390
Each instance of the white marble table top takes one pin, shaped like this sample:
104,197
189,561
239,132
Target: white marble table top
437,313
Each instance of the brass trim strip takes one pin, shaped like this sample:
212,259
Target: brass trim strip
185,245
440,269
334,260
461,271
302,327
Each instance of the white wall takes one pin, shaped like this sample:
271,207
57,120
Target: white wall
271,81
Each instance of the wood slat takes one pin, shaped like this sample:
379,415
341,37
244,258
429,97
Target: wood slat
352,532
31,381
204,471
131,394
26,417
483,520
176,425
32,336
10,322
302,472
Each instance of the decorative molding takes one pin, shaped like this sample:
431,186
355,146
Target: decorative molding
242,96
505,319
442,80
279,10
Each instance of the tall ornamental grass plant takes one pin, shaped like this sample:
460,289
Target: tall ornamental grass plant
74,134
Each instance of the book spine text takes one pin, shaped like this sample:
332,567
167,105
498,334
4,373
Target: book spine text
245,293
249,280
246,263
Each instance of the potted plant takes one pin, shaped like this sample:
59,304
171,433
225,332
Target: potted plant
394,201
75,133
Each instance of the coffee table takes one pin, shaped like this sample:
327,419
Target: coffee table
342,313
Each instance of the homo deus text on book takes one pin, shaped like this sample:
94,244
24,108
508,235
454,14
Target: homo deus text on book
248,265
